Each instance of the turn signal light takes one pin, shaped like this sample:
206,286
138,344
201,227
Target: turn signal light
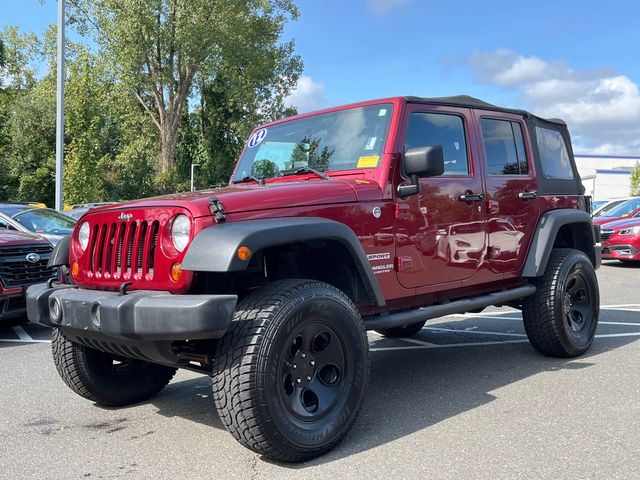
176,272
244,253
75,268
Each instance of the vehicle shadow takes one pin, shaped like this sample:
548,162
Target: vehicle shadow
619,264
409,390
190,399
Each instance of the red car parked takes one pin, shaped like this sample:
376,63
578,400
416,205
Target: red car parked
621,240
626,210
23,262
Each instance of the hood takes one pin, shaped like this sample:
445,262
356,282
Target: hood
274,195
603,220
12,237
619,224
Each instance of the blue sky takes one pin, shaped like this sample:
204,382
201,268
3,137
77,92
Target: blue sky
576,60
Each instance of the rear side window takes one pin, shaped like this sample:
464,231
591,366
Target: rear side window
554,155
426,129
504,147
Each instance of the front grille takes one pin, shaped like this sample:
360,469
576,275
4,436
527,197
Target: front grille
15,270
605,234
124,248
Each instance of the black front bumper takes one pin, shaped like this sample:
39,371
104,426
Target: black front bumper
137,316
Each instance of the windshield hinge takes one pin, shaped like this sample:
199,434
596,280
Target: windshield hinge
217,209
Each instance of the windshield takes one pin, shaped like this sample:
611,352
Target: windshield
343,140
42,220
624,209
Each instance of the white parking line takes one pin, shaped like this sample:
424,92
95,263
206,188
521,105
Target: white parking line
473,332
620,323
15,340
450,345
22,335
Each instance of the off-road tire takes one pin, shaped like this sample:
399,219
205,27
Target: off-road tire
94,375
254,389
402,332
550,315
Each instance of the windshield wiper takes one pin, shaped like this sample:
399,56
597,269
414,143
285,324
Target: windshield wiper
249,178
300,170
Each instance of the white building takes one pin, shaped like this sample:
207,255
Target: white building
606,176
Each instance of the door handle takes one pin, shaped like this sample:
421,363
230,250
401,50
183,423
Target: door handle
528,195
471,197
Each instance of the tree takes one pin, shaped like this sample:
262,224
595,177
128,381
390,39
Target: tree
160,49
635,180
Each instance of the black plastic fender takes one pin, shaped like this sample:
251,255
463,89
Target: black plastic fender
547,230
60,255
214,248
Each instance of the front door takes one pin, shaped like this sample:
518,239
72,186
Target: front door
440,234
512,203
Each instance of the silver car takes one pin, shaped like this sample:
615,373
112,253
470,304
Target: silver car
46,222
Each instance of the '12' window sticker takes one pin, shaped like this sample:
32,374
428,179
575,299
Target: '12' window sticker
257,137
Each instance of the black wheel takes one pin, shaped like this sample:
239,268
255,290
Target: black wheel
402,332
562,317
291,372
104,378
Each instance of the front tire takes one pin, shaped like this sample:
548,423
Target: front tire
104,378
290,374
561,318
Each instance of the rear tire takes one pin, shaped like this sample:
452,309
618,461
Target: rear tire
562,317
290,374
402,332
103,378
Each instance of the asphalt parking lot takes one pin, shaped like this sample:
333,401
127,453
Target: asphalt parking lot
466,398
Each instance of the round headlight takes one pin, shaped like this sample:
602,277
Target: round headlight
83,235
180,231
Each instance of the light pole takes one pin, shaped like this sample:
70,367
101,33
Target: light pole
193,166
60,108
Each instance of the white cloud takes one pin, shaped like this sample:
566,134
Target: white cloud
380,7
308,95
601,108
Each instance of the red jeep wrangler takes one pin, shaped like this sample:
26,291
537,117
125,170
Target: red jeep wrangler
373,216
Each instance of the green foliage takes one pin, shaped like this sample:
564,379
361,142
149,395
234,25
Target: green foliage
635,180
159,48
167,83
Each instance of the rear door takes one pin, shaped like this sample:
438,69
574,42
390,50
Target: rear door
440,233
512,200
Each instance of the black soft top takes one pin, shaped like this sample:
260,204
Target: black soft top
471,102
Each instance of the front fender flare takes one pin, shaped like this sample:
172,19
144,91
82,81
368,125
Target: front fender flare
214,248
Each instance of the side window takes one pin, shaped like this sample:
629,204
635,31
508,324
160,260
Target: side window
504,147
554,156
440,129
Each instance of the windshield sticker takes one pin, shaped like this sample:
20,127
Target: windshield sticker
382,112
371,143
370,161
257,137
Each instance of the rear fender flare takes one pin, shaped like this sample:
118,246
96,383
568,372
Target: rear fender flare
545,236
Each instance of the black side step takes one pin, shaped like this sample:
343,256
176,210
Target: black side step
392,320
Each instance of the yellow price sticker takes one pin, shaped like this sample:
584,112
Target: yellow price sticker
370,161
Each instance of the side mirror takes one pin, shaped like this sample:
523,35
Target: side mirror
421,162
